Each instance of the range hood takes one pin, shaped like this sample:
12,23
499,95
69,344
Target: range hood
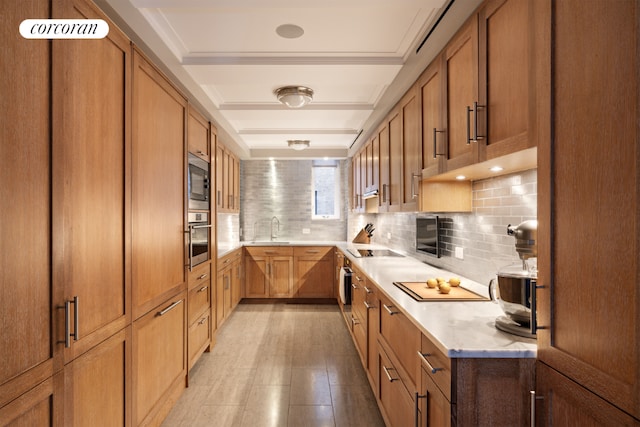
370,192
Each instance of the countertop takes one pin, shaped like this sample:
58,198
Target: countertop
460,329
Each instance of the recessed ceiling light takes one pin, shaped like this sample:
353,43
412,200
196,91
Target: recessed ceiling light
298,144
290,31
461,177
496,169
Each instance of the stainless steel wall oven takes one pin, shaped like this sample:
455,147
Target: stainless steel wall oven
199,238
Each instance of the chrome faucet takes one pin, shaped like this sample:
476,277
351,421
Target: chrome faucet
274,236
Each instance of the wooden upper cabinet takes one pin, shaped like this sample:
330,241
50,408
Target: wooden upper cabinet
25,210
433,133
227,180
507,89
220,178
395,193
410,107
91,197
198,139
385,177
588,300
158,228
460,67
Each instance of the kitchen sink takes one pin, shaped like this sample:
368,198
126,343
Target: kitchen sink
269,242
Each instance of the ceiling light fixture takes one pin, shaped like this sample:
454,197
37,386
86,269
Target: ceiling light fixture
294,96
290,31
298,144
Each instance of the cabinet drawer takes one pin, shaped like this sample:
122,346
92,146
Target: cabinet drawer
313,252
359,326
199,274
437,366
229,258
199,336
199,299
270,250
402,338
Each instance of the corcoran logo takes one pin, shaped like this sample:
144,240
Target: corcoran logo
64,29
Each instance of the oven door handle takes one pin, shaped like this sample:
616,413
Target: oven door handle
191,228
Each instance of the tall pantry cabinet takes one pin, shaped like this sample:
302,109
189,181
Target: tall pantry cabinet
66,276
588,370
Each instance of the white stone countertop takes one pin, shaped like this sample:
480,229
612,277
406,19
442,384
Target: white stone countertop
460,329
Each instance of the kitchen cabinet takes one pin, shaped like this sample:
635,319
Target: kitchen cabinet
394,188
229,286
395,401
359,315
159,360
313,271
431,85
357,169
198,137
372,306
460,71
410,107
227,180
28,352
199,305
588,334
158,188
385,176
268,271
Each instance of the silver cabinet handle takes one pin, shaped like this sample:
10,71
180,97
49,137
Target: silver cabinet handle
202,321
312,252
367,290
168,309
413,186
354,286
384,192
67,321
369,306
386,371
359,279
355,321
202,276
417,407
202,289
468,125
423,357
435,143
391,312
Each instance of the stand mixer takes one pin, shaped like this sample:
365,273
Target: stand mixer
516,284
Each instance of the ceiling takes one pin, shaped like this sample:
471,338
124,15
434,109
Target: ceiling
358,56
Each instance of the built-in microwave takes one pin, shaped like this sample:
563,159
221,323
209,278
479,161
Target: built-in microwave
198,183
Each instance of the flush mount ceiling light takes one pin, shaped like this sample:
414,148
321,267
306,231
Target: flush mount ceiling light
298,144
294,96
290,31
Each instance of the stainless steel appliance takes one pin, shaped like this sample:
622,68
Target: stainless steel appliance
428,235
515,286
198,183
199,237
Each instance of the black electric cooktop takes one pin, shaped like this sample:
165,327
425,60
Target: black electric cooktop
362,253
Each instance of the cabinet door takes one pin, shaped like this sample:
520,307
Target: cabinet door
372,304
280,277
256,277
411,149
461,71
236,183
504,76
397,404
222,296
236,283
433,134
564,402
435,409
198,135
25,210
159,358
40,406
96,384
588,300
91,200
220,179
385,177
313,271
395,161
357,182
158,183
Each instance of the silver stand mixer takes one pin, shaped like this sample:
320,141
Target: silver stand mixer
515,287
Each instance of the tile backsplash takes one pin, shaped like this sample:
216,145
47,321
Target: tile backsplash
481,234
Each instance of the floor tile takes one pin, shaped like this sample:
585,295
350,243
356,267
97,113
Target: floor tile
311,416
310,387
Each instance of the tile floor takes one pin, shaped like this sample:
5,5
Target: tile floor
279,365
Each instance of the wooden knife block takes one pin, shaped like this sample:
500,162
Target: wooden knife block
362,237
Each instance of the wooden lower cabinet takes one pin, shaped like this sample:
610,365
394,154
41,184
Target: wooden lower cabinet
313,271
268,272
396,402
199,312
37,407
564,402
159,360
228,286
435,408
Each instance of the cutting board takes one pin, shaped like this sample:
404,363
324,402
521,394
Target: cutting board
420,292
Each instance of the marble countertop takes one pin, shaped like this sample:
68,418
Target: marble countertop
458,328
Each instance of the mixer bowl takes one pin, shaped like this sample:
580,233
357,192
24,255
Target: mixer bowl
513,293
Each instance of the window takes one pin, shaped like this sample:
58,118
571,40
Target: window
325,175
